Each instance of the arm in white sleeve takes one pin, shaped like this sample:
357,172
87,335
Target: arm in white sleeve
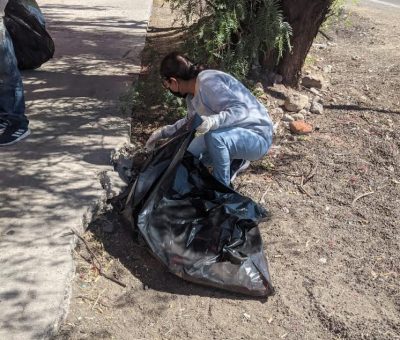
3,4
219,97
169,130
162,133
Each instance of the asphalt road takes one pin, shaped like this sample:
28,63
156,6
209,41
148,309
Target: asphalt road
389,4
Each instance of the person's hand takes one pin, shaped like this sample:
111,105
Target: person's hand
206,126
153,139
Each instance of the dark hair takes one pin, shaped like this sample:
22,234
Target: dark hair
179,66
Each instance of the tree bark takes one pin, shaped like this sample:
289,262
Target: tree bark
305,17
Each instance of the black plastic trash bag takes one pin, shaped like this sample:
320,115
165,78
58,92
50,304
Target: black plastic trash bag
26,25
200,229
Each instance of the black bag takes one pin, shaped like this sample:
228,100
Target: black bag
25,23
200,229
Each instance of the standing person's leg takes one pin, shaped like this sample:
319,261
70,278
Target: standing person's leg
225,145
13,122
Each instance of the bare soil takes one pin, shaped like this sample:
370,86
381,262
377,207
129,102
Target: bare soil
332,243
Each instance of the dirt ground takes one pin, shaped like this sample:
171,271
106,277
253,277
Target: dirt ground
333,244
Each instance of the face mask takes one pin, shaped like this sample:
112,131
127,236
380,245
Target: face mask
178,94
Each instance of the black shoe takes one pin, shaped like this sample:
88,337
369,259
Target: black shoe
238,166
11,134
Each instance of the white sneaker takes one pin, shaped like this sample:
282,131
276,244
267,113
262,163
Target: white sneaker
238,166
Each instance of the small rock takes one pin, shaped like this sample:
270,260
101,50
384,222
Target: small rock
327,69
259,87
317,99
278,111
280,91
303,112
300,127
317,108
313,80
320,46
288,118
315,91
298,116
296,102
364,99
355,57
323,260
247,316
146,287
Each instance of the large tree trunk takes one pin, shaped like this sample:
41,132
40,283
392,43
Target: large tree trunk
305,17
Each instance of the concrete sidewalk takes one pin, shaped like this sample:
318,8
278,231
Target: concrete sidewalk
51,181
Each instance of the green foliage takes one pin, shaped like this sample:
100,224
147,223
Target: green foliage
234,35
175,106
130,100
336,11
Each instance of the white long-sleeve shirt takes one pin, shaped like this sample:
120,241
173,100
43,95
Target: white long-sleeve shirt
3,4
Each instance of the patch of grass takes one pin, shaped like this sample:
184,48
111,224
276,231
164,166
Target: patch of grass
310,60
264,164
303,138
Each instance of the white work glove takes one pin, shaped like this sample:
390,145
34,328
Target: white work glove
153,139
3,4
207,125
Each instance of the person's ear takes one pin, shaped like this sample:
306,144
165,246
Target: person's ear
173,84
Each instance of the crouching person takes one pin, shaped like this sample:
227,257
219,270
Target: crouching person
236,127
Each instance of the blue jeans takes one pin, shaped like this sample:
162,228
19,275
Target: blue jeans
12,102
219,147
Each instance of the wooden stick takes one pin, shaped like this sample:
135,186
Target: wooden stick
361,196
102,273
98,297
83,297
262,200
99,268
87,247
285,173
311,174
301,188
326,36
